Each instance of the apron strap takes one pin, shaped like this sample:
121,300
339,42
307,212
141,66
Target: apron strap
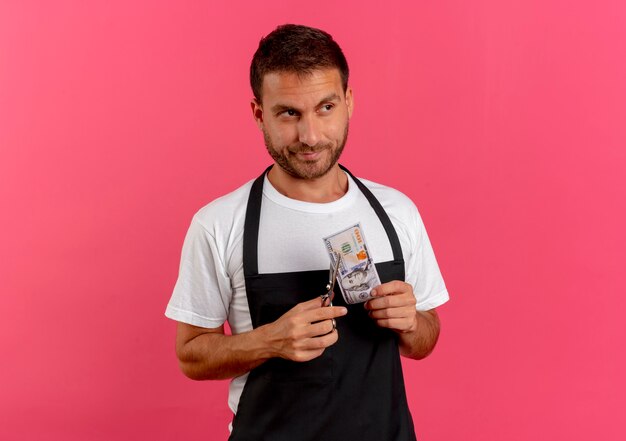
251,227
253,216
382,215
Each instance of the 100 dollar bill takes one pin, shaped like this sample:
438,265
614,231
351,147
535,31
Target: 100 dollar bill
357,273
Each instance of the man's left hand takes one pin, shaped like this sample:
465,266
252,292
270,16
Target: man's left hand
393,306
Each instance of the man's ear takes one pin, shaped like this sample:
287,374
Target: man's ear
257,113
349,101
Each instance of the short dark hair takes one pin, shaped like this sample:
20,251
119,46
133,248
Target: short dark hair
299,49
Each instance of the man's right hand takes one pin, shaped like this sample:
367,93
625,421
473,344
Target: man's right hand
303,332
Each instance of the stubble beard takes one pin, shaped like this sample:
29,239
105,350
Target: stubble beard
287,160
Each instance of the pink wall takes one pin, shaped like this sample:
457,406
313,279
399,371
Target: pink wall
503,120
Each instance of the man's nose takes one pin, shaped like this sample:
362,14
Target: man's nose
309,130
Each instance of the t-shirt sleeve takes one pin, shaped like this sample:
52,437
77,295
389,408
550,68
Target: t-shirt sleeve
203,290
422,270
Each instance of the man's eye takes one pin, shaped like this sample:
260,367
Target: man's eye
290,112
327,108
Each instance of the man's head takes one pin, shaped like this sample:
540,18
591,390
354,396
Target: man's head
301,99
296,49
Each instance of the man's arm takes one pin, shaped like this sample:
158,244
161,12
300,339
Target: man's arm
301,334
394,307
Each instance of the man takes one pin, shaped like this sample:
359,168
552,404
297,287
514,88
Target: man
303,370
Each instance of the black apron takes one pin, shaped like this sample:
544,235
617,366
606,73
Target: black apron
354,390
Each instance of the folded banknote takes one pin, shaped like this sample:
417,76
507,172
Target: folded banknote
357,273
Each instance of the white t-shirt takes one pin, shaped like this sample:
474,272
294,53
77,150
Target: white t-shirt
211,288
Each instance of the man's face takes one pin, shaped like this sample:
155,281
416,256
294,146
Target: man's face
304,119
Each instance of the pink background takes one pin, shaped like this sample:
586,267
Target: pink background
503,120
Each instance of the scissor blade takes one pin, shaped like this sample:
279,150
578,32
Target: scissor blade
334,272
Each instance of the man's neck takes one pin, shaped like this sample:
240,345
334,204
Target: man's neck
328,188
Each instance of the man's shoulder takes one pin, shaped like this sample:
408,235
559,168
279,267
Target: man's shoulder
391,198
399,207
224,212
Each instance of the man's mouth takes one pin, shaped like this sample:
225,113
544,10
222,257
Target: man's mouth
309,156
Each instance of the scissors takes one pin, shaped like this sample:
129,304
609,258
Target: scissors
327,297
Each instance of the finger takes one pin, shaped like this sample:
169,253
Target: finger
394,301
309,305
321,342
392,313
391,288
324,313
307,355
399,324
319,329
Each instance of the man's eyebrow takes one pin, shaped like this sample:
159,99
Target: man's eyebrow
277,108
331,97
